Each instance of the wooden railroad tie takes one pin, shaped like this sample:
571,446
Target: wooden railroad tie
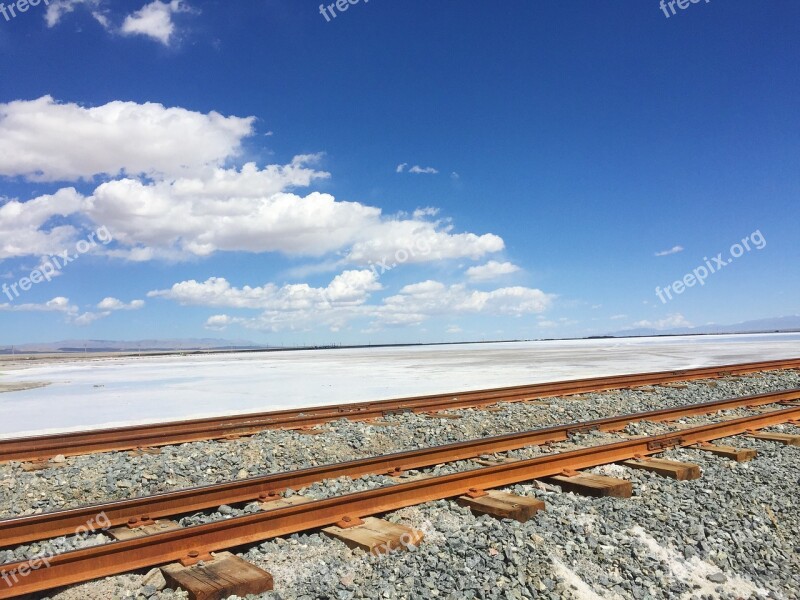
375,535
142,527
729,452
595,486
493,462
502,505
276,502
666,468
786,439
218,576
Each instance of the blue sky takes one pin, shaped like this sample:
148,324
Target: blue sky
254,164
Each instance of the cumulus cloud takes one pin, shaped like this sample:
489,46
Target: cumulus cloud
247,210
38,139
154,20
346,298
401,167
23,225
290,306
218,322
112,304
72,313
417,302
57,304
239,210
350,288
171,196
416,241
491,270
673,250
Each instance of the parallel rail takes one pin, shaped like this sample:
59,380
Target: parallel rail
120,557
162,434
50,525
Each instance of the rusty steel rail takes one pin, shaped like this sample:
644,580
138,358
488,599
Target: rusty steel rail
121,557
50,525
163,434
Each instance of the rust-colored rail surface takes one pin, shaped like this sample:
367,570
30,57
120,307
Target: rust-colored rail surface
162,434
120,557
50,525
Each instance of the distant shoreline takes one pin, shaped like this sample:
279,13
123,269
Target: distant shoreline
8,360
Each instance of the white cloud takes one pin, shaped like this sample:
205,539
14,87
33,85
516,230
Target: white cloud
350,288
238,210
673,250
345,299
428,211
189,204
454,329
111,304
491,270
418,302
218,322
455,176
88,318
669,322
417,170
154,20
56,9
57,304
415,241
103,19
618,317
292,306
73,315
23,230
38,139
246,210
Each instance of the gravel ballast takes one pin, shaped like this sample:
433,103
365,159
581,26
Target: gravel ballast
731,534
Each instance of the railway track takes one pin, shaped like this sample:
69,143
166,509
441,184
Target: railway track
162,434
124,556
51,525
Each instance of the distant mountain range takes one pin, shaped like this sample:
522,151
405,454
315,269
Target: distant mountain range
130,346
773,325
779,324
